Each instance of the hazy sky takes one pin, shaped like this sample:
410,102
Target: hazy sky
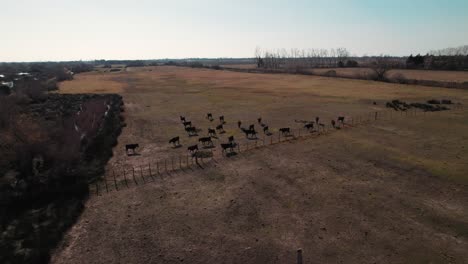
39,30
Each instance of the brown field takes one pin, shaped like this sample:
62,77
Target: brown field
443,76
390,191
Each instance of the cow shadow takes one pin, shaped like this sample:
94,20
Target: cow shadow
202,154
133,154
231,154
177,146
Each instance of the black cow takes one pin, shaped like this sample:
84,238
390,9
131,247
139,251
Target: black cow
205,140
131,147
182,119
221,119
191,130
265,129
317,120
333,123
285,130
226,146
239,123
249,132
193,148
252,127
211,132
175,141
187,124
309,126
231,139
341,119
209,116
220,128
259,120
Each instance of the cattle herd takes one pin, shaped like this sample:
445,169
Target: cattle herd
250,133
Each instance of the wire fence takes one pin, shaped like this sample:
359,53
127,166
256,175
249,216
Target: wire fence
121,177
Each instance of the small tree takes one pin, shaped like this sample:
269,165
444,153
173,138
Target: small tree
380,66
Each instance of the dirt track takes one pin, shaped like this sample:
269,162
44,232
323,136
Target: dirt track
389,192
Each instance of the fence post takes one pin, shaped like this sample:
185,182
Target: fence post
141,173
150,173
115,181
133,174
299,256
125,177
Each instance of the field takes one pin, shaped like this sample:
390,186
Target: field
443,76
389,191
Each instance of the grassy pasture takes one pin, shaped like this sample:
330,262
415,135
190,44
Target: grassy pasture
388,192
444,76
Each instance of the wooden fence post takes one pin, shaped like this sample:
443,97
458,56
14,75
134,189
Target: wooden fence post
125,177
133,175
299,256
141,173
150,173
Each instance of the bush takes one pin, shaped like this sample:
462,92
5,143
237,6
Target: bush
330,73
398,78
32,89
433,101
352,64
4,90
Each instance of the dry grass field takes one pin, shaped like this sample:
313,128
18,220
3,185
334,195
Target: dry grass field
391,191
444,76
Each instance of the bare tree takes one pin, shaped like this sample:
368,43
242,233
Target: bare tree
380,66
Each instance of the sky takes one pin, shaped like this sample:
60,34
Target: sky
57,30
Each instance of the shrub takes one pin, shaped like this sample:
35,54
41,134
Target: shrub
398,78
32,89
352,64
433,101
330,73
